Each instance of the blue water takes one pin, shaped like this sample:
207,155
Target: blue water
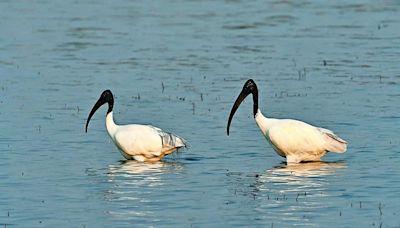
179,65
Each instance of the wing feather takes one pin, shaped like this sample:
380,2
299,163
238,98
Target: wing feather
170,140
333,142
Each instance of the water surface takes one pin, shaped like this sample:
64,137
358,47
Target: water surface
179,65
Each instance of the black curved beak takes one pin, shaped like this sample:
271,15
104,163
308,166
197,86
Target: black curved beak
98,104
249,87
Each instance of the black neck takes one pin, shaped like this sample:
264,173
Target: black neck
110,106
255,101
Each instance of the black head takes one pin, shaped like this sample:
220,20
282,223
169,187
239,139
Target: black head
105,97
249,87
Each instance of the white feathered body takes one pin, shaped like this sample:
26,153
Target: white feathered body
142,142
298,141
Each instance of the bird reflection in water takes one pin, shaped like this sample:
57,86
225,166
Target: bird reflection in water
308,169
136,187
285,178
291,191
130,167
136,174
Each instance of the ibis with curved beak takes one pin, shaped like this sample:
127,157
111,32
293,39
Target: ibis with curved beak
293,139
144,143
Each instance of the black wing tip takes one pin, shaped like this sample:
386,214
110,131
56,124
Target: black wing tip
185,143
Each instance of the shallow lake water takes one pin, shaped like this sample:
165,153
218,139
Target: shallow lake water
179,65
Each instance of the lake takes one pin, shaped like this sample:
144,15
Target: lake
179,65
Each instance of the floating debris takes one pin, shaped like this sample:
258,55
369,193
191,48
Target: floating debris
136,97
302,74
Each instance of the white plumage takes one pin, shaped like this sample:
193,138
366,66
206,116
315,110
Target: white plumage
293,139
299,141
143,143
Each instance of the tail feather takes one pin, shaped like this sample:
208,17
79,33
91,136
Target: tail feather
333,142
170,140
174,140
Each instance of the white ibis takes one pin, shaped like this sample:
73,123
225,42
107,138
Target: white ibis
143,143
293,139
